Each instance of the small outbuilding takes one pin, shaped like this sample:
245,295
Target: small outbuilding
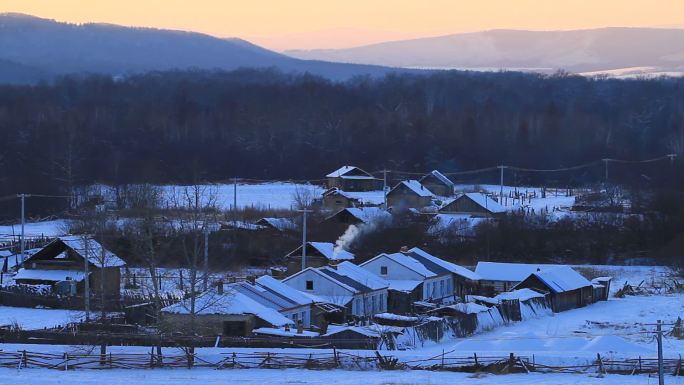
438,183
475,204
567,289
409,194
352,178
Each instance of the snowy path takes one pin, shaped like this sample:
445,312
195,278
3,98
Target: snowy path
29,318
307,377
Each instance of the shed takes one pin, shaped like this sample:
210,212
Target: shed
567,288
352,178
476,204
409,194
438,183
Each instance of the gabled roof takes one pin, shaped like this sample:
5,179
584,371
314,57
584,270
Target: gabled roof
327,250
440,177
280,224
562,279
319,272
375,197
350,172
291,294
363,214
512,272
481,200
424,256
97,255
415,187
408,262
361,275
230,302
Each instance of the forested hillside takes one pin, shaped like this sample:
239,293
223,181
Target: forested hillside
190,126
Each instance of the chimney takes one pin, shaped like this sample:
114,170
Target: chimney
219,287
300,327
404,249
538,269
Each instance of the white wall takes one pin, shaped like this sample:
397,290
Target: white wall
302,313
322,285
438,287
395,271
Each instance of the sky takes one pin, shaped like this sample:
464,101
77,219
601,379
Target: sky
310,24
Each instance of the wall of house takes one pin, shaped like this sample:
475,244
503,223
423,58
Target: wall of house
395,271
368,304
439,287
491,288
294,262
403,197
322,286
465,205
211,324
400,302
353,184
302,313
336,202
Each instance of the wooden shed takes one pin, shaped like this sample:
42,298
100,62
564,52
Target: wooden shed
476,204
409,194
567,288
438,183
352,178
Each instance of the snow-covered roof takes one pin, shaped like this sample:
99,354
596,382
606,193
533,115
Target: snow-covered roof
330,277
363,330
328,250
468,307
452,267
404,285
481,200
360,275
284,290
396,317
375,197
441,177
49,275
367,214
512,272
281,224
414,186
230,302
344,170
520,294
601,279
562,278
95,251
408,262
285,333
241,225
5,253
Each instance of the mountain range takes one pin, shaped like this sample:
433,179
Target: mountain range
617,50
33,49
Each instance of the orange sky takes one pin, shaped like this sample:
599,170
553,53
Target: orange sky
287,24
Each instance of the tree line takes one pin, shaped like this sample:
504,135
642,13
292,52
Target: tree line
192,126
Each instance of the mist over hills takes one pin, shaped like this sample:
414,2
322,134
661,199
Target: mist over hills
33,49
605,49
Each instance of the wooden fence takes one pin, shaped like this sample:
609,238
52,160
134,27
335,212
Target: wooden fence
325,360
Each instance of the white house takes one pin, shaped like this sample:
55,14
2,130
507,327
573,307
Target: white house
348,285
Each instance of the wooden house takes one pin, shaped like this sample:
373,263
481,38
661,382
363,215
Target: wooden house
475,204
61,264
352,178
335,199
221,312
409,194
498,277
567,289
317,254
357,216
361,293
438,183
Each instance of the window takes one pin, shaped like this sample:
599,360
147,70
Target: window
441,288
309,285
295,316
383,270
373,307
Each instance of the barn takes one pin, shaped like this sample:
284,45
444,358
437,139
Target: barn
567,289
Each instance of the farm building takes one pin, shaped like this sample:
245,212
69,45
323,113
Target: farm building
409,194
293,304
601,288
438,183
219,312
317,254
359,291
356,216
567,289
278,224
439,280
61,264
352,178
335,199
498,277
475,204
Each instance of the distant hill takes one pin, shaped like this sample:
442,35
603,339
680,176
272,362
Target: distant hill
606,49
51,47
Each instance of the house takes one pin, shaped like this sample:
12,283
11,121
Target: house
358,215
335,199
498,277
352,178
409,194
317,254
61,264
566,288
278,224
219,312
293,304
360,292
437,280
475,204
438,183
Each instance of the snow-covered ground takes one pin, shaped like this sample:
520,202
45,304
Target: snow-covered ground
36,229
555,200
309,377
28,318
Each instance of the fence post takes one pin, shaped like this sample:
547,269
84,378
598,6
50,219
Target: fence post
475,356
600,363
24,360
511,362
66,361
335,359
442,359
103,353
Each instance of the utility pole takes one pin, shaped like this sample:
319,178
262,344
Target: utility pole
86,294
501,181
235,202
23,222
661,374
304,211
206,258
384,187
